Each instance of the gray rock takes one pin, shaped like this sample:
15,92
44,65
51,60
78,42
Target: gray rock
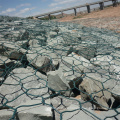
105,61
12,51
59,50
87,52
43,112
86,114
24,35
92,89
5,65
104,49
18,22
5,114
38,112
42,61
15,35
44,51
41,40
52,34
112,77
78,108
73,67
34,43
109,63
24,44
24,84
57,83
76,62
55,41
75,114
116,91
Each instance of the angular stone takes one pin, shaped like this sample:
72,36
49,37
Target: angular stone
32,112
109,63
18,22
76,62
112,77
76,114
5,114
24,35
87,52
92,89
24,84
35,108
23,44
5,65
34,43
52,34
105,61
55,41
57,83
12,51
73,67
44,51
42,60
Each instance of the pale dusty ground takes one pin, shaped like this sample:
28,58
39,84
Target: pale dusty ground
107,18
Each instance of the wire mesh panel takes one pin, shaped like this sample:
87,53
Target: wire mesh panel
58,71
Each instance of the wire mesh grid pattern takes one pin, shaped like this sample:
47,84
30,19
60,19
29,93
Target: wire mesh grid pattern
58,71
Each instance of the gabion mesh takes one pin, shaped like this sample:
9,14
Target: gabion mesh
32,52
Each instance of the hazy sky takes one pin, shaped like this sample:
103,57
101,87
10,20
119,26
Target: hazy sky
24,8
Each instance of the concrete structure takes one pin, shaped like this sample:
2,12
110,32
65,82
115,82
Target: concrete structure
101,3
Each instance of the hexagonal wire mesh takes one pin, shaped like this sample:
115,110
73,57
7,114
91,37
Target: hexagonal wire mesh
62,71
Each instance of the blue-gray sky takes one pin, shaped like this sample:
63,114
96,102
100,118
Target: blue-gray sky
24,8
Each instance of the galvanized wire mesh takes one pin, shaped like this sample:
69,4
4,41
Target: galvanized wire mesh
68,68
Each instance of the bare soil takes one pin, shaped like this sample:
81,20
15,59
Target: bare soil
108,18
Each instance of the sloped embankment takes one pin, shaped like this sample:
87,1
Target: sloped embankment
51,70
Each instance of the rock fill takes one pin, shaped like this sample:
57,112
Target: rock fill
51,70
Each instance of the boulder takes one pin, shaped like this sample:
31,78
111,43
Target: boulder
88,114
5,65
36,110
87,51
23,44
45,51
92,89
24,84
76,62
57,83
18,22
24,35
105,49
44,61
15,35
105,61
76,114
55,41
31,112
41,39
12,51
112,65
52,34
73,67
34,43
5,114
70,71
109,63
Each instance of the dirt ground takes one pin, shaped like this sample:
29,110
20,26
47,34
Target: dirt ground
108,18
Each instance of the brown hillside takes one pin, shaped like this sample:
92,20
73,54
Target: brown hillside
107,18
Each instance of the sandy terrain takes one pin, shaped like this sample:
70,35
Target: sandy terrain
107,18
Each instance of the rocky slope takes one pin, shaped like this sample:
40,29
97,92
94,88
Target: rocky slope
51,70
